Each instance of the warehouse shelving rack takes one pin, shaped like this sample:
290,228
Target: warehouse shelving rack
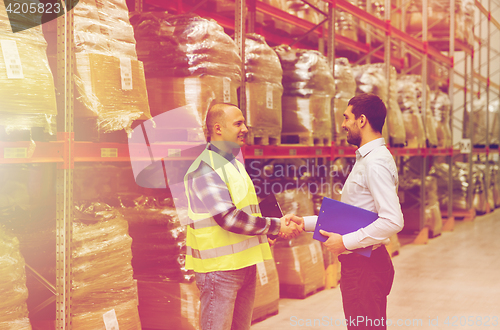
66,151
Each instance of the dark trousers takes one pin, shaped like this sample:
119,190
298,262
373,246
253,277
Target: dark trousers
365,284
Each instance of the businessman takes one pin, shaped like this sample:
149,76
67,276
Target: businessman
371,185
226,236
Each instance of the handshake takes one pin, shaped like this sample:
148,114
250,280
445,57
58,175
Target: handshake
291,226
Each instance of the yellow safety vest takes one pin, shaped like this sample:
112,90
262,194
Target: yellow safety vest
209,246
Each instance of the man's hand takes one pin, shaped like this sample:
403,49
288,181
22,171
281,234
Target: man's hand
334,244
271,241
293,218
289,228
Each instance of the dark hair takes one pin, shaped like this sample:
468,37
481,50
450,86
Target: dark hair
372,107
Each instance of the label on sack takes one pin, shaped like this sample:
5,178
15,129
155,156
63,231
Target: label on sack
314,253
269,97
110,320
261,271
226,90
126,73
12,59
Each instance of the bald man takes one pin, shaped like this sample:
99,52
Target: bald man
226,236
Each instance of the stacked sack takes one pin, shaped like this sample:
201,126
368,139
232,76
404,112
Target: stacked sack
345,88
27,92
460,177
13,285
407,100
189,62
409,187
168,296
308,90
108,77
396,128
438,20
102,284
441,108
369,79
377,10
479,114
300,260
263,92
345,25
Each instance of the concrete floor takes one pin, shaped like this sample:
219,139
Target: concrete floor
453,282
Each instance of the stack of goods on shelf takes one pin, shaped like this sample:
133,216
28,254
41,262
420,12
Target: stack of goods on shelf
441,107
479,201
190,62
495,184
479,131
168,296
263,92
27,93
378,10
407,100
409,189
346,25
369,79
299,261
345,88
13,285
272,23
302,10
103,287
430,123
109,78
460,175
438,20
308,90
267,292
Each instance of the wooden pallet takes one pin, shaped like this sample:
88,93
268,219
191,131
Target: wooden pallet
264,312
261,138
305,139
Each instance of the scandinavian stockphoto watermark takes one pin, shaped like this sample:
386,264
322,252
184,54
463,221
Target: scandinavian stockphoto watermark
363,321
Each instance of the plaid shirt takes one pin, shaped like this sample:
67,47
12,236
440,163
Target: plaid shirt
209,194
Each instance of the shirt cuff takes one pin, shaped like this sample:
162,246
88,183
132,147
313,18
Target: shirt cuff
310,222
274,227
350,241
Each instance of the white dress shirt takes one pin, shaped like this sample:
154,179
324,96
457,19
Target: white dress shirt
371,185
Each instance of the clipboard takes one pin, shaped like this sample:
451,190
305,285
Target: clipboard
342,218
269,207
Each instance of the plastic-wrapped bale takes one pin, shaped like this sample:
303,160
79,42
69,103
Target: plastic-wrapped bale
168,297
460,174
308,90
300,267
441,107
27,92
169,305
103,280
377,10
494,170
369,79
414,127
433,219
345,88
263,91
479,201
109,79
13,289
189,61
346,25
479,114
305,12
267,292
438,20
103,27
112,89
430,123
300,260
397,132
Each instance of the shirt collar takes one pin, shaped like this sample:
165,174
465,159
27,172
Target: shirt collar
368,147
229,156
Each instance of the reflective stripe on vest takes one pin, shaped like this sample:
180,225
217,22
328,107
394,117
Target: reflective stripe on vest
228,249
209,246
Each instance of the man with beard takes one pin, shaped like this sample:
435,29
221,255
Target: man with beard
371,185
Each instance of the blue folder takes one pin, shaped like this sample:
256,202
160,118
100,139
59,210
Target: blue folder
342,218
